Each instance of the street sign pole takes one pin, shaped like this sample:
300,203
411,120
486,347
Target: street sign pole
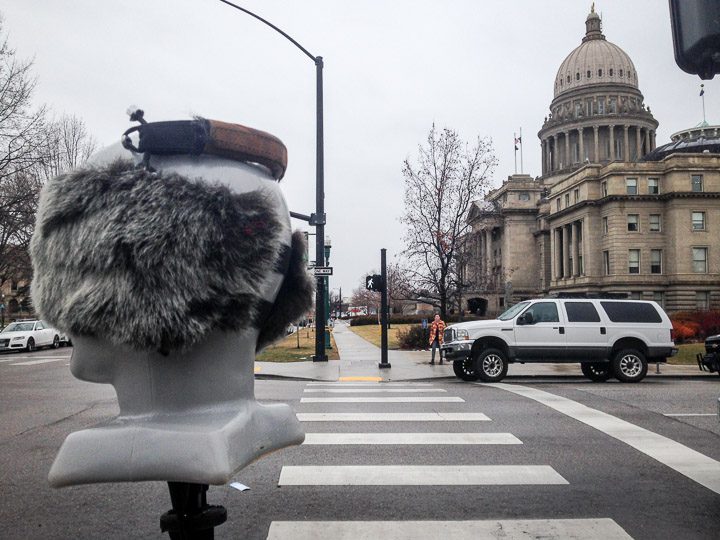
383,314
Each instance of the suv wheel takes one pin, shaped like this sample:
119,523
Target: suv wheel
596,371
30,345
630,365
491,365
56,342
464,370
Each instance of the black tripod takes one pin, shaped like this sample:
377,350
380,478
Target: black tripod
191,517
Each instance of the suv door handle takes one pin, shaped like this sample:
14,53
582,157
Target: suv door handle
603,330
560,329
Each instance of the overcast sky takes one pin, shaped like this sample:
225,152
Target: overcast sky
392,68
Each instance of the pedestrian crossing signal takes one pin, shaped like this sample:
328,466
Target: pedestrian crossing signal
374,283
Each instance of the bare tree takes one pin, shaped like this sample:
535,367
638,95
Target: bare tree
32,150
439,189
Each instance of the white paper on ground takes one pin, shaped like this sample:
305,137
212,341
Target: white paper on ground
239,486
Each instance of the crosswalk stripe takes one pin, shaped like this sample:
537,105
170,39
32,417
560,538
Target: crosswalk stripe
372,390
510,529
393,417
44,361
688,462
411,438
439,399
419,475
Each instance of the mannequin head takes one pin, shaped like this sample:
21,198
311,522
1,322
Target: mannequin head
152,262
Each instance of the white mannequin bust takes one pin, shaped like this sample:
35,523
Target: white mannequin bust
189,415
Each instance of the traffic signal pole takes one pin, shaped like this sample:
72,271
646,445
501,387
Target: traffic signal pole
383,314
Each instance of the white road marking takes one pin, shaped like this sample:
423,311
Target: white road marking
411,438
420,475
372,390
696,466
44,361
393,417
510,529
383,400
690,414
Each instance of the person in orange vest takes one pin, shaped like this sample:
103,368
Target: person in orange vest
437,329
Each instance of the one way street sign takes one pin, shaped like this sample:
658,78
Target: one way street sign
323,271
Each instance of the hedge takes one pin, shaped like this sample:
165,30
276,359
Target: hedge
693,325
409,319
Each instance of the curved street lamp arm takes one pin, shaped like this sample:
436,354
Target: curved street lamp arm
271,25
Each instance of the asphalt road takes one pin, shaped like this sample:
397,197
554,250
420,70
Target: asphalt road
603,477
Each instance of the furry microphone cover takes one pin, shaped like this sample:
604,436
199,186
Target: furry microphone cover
157,261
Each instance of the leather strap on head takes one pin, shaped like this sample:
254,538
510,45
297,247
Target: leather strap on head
201,136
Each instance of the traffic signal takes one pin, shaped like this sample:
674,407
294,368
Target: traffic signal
374,283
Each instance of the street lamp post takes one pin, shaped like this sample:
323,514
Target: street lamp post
326,280
318,218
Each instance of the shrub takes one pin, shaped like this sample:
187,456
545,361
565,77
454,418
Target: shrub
414,337
408,319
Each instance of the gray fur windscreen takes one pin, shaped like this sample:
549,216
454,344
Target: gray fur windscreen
157,261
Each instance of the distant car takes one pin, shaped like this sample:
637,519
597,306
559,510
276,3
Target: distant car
28,335
65,340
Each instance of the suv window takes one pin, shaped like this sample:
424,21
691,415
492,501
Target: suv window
632,312
544,312
581,312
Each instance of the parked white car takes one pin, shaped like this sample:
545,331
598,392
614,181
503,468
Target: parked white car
28,335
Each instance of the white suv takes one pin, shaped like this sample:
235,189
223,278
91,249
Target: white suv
608,337
28,335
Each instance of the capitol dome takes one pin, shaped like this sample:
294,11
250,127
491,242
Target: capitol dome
595,61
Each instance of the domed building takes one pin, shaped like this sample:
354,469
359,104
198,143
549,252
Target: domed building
598,113
610,213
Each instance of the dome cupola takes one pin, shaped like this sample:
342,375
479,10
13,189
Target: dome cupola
594,61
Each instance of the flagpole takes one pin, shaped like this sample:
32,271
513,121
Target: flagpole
515,147
702,95
521,159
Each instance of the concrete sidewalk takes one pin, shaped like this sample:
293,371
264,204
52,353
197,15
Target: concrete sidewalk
359,361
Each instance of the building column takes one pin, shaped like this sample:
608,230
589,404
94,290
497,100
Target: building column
652,140
567,270
488,253
626,148
581,148
553,153
567,148
596,140
559,253
638,142
611,157
553,247
576,247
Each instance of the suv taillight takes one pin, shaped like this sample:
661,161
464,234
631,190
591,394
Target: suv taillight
672,334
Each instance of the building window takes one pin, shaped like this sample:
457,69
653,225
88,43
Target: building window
524,196
656,261
502,302
557,203
619,149
577,76
698,221
634,261
654,222
633,222
606,263
600,72
603,189
601,105
568,79
697,182
635,295
611,72
576,196
659,297
620,74
613,101
567,200
702,299
605,225
653,186
588,73
631,186
699,255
